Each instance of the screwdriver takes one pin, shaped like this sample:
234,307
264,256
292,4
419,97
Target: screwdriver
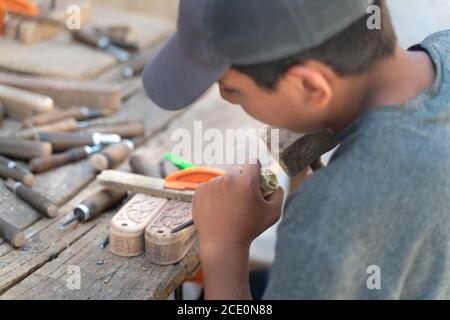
95,205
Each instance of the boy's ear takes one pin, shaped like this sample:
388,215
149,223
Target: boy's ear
311,82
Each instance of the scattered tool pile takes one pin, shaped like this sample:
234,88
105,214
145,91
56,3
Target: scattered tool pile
59,116
59,126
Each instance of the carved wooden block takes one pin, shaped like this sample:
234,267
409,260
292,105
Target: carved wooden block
163,247
128,225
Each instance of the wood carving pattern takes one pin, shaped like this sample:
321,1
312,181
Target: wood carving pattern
173,215
138,209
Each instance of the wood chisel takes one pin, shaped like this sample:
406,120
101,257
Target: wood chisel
64,125
101,42
24,149
95,205
114,154
62,141
42,164
20,103
79,113
33,198
10,169
13,235
126,129
69,93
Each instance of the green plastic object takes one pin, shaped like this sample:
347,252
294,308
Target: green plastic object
178,161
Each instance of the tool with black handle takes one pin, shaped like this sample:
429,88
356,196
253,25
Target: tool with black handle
33,198
102,43
10,169
42,164
95,205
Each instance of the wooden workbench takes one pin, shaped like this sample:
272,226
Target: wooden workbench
42,269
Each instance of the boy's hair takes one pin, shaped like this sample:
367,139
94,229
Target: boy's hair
353,51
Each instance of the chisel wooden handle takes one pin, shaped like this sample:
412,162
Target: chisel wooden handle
2,113
24,149
140,166
89,38
42,164
112,155
12,234
60,126
100,202
127,130
63,141
20,103
81,113
34,199
12,171
70,92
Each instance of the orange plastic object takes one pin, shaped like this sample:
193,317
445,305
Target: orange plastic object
189,179
23,7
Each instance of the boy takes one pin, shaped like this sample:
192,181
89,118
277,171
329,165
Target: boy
374,223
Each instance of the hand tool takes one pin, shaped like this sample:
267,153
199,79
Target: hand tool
24,149
70,93
140,166
95,205
33,198
101,42
12,234
105,242
20,103
122,36
42,164
63,141
2,113
114,154
64,125
127,129
79,113
10,169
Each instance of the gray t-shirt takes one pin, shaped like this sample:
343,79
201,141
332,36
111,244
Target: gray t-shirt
378,216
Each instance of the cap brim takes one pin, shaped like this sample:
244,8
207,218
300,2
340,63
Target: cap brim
173,80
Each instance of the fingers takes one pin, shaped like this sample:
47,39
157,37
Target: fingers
276,198
252,170
234,170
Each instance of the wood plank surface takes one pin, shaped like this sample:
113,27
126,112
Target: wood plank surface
50,58
23,270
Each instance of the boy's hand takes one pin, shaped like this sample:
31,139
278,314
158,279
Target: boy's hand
230,212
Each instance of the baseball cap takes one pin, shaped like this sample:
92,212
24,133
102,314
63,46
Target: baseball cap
213,35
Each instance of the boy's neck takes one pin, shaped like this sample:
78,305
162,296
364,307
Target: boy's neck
393,81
